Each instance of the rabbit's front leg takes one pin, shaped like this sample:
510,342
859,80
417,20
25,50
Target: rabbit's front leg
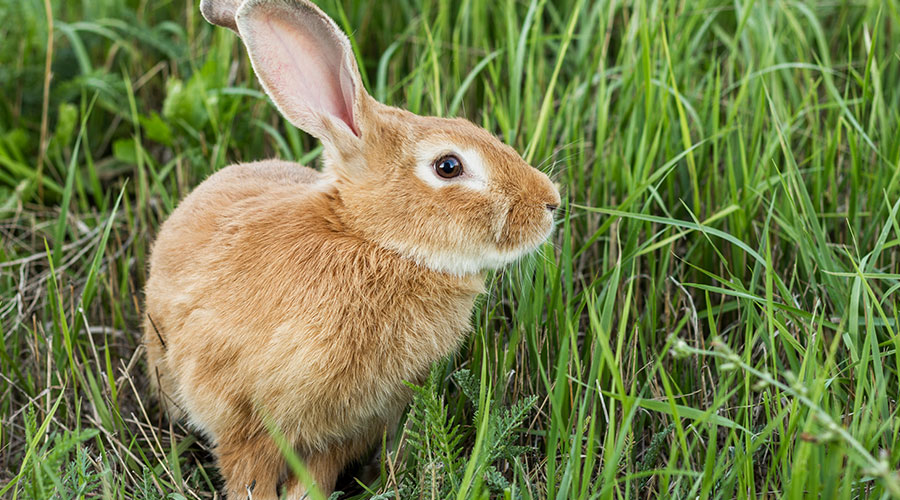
324,469
250,463
325,466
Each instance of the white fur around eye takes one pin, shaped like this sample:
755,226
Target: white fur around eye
474,174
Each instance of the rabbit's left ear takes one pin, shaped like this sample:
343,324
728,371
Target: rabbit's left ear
220,12
306,65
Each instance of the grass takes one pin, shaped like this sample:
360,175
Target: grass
716,317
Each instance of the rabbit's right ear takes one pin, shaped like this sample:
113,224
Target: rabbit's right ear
220,12
306,65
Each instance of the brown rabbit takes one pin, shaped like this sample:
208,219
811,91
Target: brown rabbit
303,299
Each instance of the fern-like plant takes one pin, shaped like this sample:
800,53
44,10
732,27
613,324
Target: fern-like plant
441,450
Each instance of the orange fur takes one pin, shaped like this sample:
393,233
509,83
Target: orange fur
306,299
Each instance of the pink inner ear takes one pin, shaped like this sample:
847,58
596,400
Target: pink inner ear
304,69
347,91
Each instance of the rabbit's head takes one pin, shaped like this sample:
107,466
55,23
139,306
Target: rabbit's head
443,192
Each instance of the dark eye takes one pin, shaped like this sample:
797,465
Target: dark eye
448,167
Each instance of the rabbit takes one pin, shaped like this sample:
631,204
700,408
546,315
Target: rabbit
281,297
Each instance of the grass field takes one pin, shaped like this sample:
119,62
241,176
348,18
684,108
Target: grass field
716,317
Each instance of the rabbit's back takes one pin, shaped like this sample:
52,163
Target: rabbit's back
197,234
211,203
217,202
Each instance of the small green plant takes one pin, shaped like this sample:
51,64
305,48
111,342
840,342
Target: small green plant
434,439
58,467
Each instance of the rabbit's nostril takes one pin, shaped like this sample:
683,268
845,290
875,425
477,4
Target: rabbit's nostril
552,207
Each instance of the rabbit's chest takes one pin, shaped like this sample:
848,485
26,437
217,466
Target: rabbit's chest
351,380
370,361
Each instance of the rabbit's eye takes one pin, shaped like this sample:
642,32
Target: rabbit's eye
448,167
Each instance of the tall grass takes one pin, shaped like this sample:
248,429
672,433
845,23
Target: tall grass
716,317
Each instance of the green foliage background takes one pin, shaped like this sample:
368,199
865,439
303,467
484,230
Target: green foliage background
716,316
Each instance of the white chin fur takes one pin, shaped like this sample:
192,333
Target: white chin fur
459,264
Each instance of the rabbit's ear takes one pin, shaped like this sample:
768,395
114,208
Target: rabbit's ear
220,12
306,65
